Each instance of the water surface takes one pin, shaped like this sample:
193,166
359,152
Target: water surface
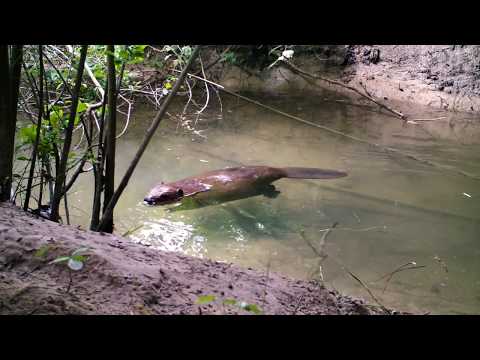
390,210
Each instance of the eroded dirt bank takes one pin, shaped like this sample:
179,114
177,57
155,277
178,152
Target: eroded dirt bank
120,277
440,76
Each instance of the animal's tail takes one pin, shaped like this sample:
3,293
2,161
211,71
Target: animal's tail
312,173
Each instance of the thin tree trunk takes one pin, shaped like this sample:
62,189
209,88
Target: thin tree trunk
39,128
67,212
10,68
61,171
16,70
6,161
98,171
40,195
111,132
146,140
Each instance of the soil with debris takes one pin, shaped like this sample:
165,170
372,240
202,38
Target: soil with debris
120,277
438,76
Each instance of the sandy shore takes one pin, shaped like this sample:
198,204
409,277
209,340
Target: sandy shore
120,277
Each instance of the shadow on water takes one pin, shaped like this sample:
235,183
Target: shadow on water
391,210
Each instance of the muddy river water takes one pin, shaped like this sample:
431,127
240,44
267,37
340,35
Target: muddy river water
390,210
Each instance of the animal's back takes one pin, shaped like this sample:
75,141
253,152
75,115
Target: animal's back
237,180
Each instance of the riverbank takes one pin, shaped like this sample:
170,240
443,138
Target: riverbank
438,76
120,277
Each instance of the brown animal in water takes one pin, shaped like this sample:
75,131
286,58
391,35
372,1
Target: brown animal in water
229,184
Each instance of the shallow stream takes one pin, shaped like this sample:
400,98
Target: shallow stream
391,210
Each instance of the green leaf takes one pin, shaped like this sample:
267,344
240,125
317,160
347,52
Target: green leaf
56,115
28,134
59,259
251,308
23,158
81,107
229,302
77,120
205,299
42,251
80,250
79,258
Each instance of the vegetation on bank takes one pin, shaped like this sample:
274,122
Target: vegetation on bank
63,91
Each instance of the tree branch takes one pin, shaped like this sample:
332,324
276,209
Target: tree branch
303,73
146,140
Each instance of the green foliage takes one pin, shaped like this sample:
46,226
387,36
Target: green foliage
229,302
230,58
75,261
207,299
181,54
42,251
28,134
51,131
250,308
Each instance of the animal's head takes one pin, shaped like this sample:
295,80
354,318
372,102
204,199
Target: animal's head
163,194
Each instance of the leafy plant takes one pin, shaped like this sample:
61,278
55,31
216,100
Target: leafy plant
230,58
75,261
207,299
42,251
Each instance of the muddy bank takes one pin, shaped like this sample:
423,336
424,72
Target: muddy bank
439,76
120,277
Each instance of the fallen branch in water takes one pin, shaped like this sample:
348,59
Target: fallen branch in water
323,255
433,119
132,230
368,290
366,95
408,266
324,237
441,263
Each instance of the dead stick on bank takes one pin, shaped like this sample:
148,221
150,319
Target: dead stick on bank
338,83
326,128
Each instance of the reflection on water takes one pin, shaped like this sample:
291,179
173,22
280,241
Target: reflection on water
391,210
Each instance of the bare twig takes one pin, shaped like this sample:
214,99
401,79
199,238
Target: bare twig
367,289
441,262
297,305
269,263
206,90
90,74
408,266
131,231
70,281
150,132
351,88
219,58
322,255
127,121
